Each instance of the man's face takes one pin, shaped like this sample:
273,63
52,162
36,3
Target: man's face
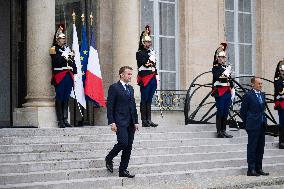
257,85
281,70
126,76
147,44
221,59
61,41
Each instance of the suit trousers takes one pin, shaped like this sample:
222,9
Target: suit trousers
125,137
255,148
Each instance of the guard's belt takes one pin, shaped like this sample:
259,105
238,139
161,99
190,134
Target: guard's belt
63,68
280,96
218,83
143,68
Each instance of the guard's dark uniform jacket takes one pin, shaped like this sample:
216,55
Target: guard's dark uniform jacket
221,83
279,93
145,72
61,66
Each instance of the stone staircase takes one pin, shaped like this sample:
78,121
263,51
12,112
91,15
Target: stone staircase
173,156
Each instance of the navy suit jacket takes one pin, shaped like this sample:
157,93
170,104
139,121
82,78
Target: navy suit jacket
252,111
121,107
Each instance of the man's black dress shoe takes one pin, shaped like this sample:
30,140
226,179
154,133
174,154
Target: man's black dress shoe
109,166
261,172
125,174
252,173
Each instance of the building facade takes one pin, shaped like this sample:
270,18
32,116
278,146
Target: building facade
185,35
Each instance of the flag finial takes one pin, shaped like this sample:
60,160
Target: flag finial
74,17
83,18
91,18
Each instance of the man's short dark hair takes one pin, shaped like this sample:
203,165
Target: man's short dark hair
123,68
252,80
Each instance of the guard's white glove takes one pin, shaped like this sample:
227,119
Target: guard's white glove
227,72
66,53
152,58
233,94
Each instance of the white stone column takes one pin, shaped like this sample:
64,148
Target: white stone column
39,109
125,37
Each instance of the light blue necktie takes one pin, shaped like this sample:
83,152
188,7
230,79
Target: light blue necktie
259,98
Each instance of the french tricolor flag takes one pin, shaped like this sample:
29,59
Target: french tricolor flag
94,90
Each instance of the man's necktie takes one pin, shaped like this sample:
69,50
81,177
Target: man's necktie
259,98
127,89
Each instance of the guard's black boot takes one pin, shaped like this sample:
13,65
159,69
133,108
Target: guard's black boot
219,127
144,115
148,111
65,114
281,137
224,123
59,113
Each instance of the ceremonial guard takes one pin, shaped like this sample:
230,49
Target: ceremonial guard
147,71
63,68
222,88
279,99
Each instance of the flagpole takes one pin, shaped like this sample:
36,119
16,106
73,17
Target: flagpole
74,19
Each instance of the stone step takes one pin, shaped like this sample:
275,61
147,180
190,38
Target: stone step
64,147
47,156
153,180
95,130
13,178
13,140
25,167
91,153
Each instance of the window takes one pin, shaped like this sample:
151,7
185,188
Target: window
240,37
63,15
162,16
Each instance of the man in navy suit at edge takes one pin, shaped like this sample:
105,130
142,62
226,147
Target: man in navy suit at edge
252,114
123,119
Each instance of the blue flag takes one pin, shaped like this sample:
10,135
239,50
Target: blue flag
84,52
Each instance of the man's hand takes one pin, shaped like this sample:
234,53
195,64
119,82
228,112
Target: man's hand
113,127
136,127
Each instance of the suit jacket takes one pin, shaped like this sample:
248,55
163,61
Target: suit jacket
121,107
252,111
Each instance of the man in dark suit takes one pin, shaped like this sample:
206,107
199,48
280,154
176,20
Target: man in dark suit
252,114
123,119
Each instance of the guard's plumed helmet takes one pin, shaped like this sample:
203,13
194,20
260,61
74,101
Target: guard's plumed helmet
279,70
145,36
60,34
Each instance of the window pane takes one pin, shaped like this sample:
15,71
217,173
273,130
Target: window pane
231,56
167,54
245,5
245,59
245,35
230,26
167,19
168,81
229,4
147,17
